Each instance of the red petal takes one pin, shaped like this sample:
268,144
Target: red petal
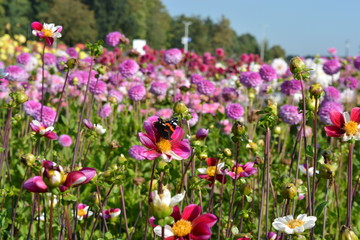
151,154
191,212
73,177
36,26
176,213
201,231
51,135
337,118
355,115
49,41
211,161
334,131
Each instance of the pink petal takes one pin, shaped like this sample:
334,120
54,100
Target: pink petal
177,135
89,173
146,140
203,176
333,131
75,178
182,149
51,135
247,165
34,127
206,218
151,154
355,115
36,26
337,118
152,221
59,29
191,212
211,161
149,129
35,184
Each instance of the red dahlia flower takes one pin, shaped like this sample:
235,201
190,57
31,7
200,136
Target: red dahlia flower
213,171
46,31
345,126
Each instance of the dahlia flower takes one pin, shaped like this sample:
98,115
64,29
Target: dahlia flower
188,225
83,211
46,31
344,125
43,130
289,225
240,170
212,172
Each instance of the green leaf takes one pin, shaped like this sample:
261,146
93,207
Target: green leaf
309,151
108,235
319,208
70,198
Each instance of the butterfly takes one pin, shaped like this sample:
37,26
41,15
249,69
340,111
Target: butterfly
166,128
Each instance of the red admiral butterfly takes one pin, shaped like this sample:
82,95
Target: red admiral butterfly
166,128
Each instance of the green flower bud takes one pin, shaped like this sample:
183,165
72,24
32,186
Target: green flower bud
112,100
311,103
289,191
327,171
245,188
297,65
71,63
277,130
203,156
21,97
180,108
17,117
238,129
196,143
316,90
28,159
227,152
154,185
94,198
75,81
347,234
101,69
162,166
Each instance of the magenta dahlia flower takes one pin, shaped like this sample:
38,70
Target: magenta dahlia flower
128,68
245,170
177,148
345,126
172,56
188,225
212,172
46,31
43,130
111,213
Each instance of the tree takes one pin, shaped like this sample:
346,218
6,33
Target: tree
276,51
18,13
223,35
77,20
247,43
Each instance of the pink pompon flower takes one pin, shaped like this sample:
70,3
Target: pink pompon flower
345,126
43,130
188,225
212,172
111,213
175,148
245,170
35,184
46,31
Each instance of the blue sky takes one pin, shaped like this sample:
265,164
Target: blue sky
300,27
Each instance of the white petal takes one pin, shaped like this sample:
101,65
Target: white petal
174,155
289,230
166,197
167,232
80,180
301,217
346,116
278,226
288,218
177,198
346,138
49,129
299,229
220,166
36,123
202,170
34,32
165,157
309,224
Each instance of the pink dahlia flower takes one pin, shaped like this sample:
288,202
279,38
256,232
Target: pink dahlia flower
344,125
245,170
177,148
188,225
43,130
35,184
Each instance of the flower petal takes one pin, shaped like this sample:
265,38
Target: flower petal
176,213
207,218
89,173
191,212
146,140
51,135
36,26
182,149
337,118
75,178
176,199
167,232
200,232
177,135
151,154
355,115
334,131
211,161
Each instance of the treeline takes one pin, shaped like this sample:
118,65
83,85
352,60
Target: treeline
89,20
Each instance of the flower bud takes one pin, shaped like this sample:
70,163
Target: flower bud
297,65
289,191
277,130
245,188
162,166
238,129
28,159
202,133
75,81
154,184
94,198
180,108
311,103
203,156
227,152
71,63
316,90
112,99
21,97
347,234
327,171
271,236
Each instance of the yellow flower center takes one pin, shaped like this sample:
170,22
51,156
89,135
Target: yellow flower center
81,212
211,171
163,145
294,223
47,32
351,128
182,228
239,170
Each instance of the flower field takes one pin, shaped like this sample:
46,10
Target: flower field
99,141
